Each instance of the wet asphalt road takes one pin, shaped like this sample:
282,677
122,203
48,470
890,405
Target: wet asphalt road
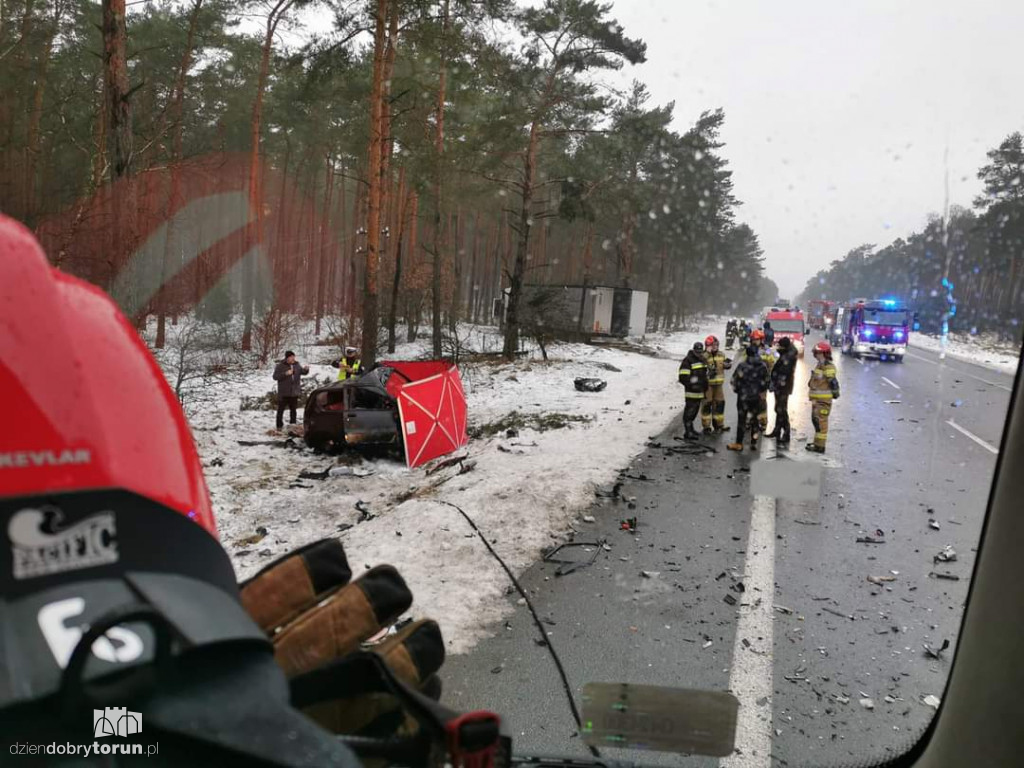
894,463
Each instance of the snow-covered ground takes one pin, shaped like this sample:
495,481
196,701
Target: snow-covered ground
982,349
524,493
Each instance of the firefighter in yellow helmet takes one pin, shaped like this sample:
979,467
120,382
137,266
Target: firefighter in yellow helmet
768,357
713,409
823,389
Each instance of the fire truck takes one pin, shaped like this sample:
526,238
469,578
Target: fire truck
790,323
820,314
874,328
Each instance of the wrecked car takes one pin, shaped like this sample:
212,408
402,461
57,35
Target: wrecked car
417,407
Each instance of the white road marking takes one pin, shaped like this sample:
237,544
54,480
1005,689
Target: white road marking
859,360
987,446
891,383
965,373
750,677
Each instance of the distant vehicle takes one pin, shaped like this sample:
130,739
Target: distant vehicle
875,328
820,314
789,323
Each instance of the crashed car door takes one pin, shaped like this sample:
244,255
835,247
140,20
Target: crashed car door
369,417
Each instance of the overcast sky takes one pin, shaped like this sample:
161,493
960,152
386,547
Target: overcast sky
838,113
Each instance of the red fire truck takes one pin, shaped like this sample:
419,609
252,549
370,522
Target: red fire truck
878,328
788,322
821,314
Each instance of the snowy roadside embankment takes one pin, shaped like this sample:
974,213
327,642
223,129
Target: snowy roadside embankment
523,492
984,349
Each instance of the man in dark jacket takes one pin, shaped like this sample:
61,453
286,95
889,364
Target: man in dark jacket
693,375
782,375
749,381
288,375
769,334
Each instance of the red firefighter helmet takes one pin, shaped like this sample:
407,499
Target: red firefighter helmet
757,334
824,347
710,340
108,521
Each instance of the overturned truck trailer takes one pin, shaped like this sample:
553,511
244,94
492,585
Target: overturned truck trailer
589,310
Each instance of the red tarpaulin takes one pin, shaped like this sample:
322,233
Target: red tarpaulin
432,410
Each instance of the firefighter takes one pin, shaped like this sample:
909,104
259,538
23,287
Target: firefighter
749,382
767,355
349,365
713,411
781,378
730,333
693,375
823,389
744,335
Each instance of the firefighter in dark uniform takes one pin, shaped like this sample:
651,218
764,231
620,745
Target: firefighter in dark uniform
730,333
713,411
693,375
823,389
749,382
767,355
781,378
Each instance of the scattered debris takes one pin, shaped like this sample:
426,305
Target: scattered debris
842,699
571,566
931,701
935,653
217,462
934,525
947,555
870,540
510,433
650,574
364,512
867,703
589,385
840,614
335,472
589,519
608,367
806,522
943,575
729,599
784,609
893,402
956,403
260,535
881,579
629,524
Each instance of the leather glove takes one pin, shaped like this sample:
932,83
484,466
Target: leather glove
316,616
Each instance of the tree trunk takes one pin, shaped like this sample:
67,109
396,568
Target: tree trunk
36,115
373,202
439,233
174,195
321,285
522,247
405,200
255,192
414,230
119,130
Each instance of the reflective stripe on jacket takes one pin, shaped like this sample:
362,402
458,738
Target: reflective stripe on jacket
717,363
823,384
343,374
693,375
